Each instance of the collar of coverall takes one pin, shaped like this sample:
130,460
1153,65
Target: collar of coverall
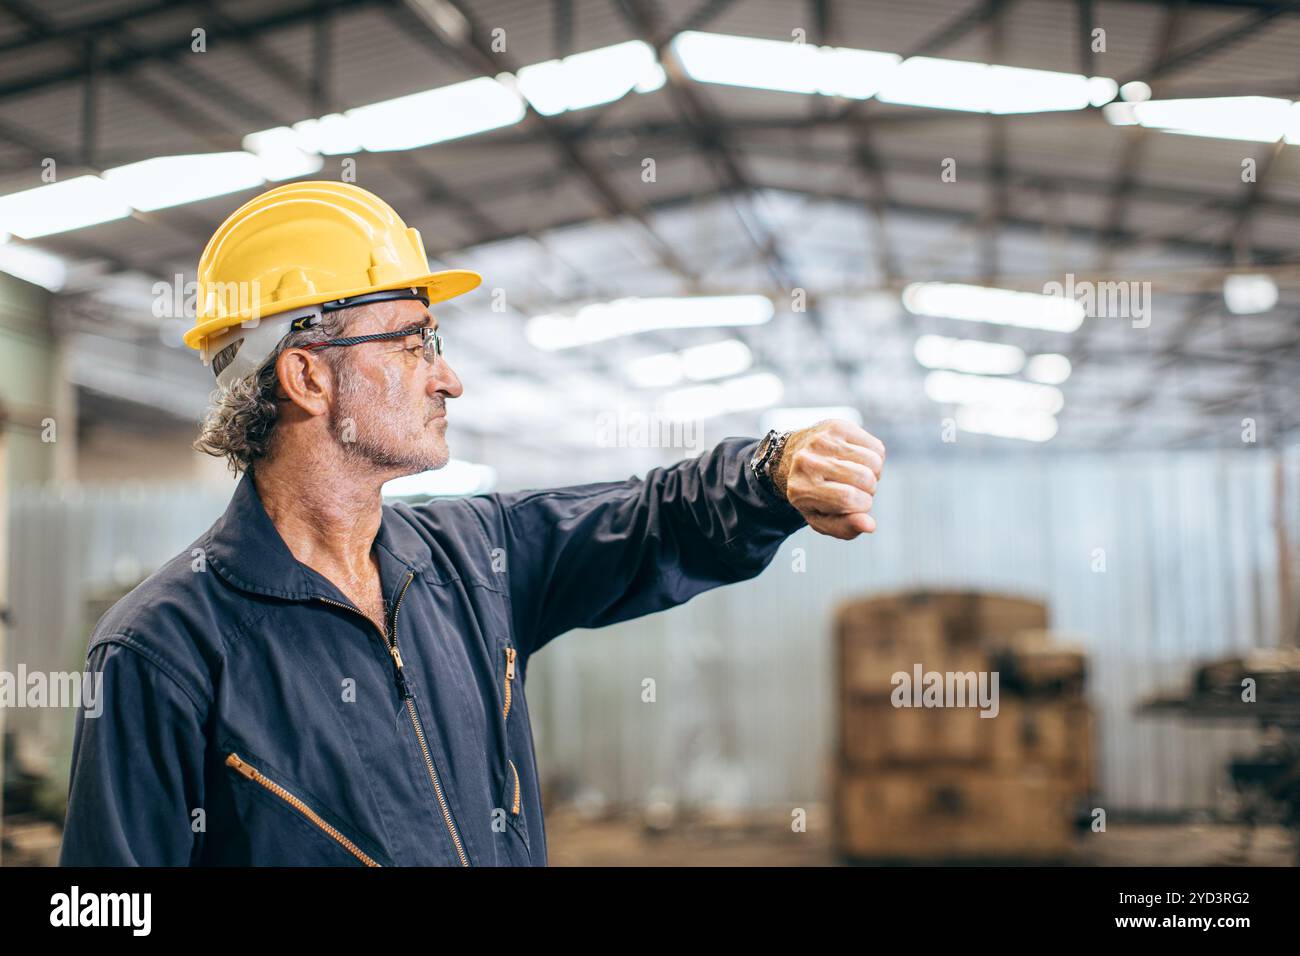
246,549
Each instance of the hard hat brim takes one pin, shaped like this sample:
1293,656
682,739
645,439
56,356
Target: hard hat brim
439,286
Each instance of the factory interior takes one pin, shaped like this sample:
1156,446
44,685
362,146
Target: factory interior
1047,251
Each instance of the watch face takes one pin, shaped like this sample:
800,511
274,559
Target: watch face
764,448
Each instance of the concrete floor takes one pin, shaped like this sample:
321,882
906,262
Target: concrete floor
573,840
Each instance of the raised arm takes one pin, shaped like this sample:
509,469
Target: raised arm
592,555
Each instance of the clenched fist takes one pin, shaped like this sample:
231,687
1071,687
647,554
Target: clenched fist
829,473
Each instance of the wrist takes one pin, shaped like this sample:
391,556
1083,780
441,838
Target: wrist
780,469
766,462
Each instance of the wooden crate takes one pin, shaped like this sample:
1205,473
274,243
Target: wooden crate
880,636
1055,734
972,616
875,733
871,655
947,814
1039,662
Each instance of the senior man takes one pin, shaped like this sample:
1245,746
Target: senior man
322,679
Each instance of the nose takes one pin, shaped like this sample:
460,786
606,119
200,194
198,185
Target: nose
444,379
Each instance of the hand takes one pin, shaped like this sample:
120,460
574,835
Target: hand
829,473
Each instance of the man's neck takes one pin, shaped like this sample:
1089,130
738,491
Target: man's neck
328,516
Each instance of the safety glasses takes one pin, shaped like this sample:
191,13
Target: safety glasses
430,341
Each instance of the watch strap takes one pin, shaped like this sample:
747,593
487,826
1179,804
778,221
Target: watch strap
771,456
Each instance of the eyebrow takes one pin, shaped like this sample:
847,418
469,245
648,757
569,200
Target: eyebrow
429,321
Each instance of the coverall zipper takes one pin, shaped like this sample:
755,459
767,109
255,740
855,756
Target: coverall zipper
390,641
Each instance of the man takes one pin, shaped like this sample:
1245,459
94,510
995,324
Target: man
321,679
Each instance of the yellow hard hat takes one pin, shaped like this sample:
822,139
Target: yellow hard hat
305,245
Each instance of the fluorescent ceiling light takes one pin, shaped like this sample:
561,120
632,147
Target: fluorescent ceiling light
331,135
751,391
281,154
1102,90
1249,294
1261,119
716,360
33,265
656,371
700,401
782,65
653,78
175,180
1031,310
969,355
1025,425
860,74
939,83
1119,114
608,320
737,395
1135,92
589,79
455,478
855,74
1048,368
60,207
954,388
985,88
791,418
435,116
699,364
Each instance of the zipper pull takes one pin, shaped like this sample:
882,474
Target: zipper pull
243,768
402,686
510,663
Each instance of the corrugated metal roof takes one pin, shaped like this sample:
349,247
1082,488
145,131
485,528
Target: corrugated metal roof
1182,201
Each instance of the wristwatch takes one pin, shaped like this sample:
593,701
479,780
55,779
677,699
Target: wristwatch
766,457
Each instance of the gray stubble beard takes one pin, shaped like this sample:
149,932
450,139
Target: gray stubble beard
366,413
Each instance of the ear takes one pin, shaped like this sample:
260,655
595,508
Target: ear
306,380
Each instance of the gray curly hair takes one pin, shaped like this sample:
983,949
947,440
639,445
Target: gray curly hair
240,422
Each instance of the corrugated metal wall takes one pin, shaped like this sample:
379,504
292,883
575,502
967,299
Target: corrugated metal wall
68,545
743,705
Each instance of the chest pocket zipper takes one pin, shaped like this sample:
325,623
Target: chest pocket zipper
505,714
250,772
514,807
510,676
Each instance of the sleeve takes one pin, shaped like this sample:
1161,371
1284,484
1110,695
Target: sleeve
137,766
598,554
